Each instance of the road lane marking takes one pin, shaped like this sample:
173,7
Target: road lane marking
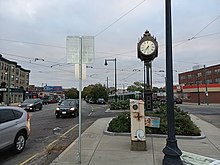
26,161
32,157
62,135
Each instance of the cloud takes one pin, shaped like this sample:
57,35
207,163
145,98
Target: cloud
117,27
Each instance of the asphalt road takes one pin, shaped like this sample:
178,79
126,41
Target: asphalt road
43,145
209,113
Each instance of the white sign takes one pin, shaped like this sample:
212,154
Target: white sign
83,71
88,50
73,48
76,44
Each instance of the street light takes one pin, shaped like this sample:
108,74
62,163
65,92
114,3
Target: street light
171,151
106,63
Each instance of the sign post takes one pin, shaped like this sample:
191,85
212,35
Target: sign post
80,50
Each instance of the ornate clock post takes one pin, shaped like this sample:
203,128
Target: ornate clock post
147,49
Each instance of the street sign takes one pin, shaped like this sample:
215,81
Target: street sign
83,71
76,44
88,49
73,47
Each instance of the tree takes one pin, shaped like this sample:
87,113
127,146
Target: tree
72,93
137,86
95,91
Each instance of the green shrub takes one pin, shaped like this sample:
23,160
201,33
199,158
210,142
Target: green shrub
183,123
122,123
120,105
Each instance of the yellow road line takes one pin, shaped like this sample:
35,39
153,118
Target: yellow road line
26,161
29,159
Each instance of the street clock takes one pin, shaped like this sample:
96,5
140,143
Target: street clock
147,47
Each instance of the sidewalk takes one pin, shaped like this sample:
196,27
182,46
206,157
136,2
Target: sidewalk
101,149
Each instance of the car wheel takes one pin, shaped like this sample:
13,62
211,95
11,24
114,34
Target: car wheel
57,116
19,142
40,108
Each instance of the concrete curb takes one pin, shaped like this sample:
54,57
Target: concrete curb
108,110
106,132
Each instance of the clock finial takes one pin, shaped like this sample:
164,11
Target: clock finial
147,33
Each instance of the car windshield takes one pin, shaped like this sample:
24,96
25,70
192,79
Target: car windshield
68,103
29,101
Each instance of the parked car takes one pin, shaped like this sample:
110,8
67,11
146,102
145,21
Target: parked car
100,101
14,128
68,107
175,99
51,101
31,104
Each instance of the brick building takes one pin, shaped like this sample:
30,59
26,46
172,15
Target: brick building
13,78
202,84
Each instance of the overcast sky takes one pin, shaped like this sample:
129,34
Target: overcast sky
37,29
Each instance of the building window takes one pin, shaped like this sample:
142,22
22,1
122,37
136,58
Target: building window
17,71
189,76
182,77
208,72
12,69
209,81
198,82
217,80
17,80
217,71
199,74
12,78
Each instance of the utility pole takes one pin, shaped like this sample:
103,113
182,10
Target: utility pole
197,83
206,87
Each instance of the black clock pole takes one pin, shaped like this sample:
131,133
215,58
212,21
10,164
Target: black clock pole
171,151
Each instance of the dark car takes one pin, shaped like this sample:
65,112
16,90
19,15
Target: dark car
31,104
14,128
100,101
68,107
176,100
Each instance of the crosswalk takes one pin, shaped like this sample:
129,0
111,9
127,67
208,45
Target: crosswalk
194,159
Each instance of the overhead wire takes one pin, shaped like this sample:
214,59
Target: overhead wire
106,28
102,31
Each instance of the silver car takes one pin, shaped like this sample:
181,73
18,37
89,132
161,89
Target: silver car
14,128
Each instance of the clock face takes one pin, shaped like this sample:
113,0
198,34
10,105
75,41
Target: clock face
147,47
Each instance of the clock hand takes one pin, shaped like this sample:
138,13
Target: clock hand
146,48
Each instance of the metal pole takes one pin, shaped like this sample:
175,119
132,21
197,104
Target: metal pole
80,103
197,82
171,151
115,82
206,87
145,101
